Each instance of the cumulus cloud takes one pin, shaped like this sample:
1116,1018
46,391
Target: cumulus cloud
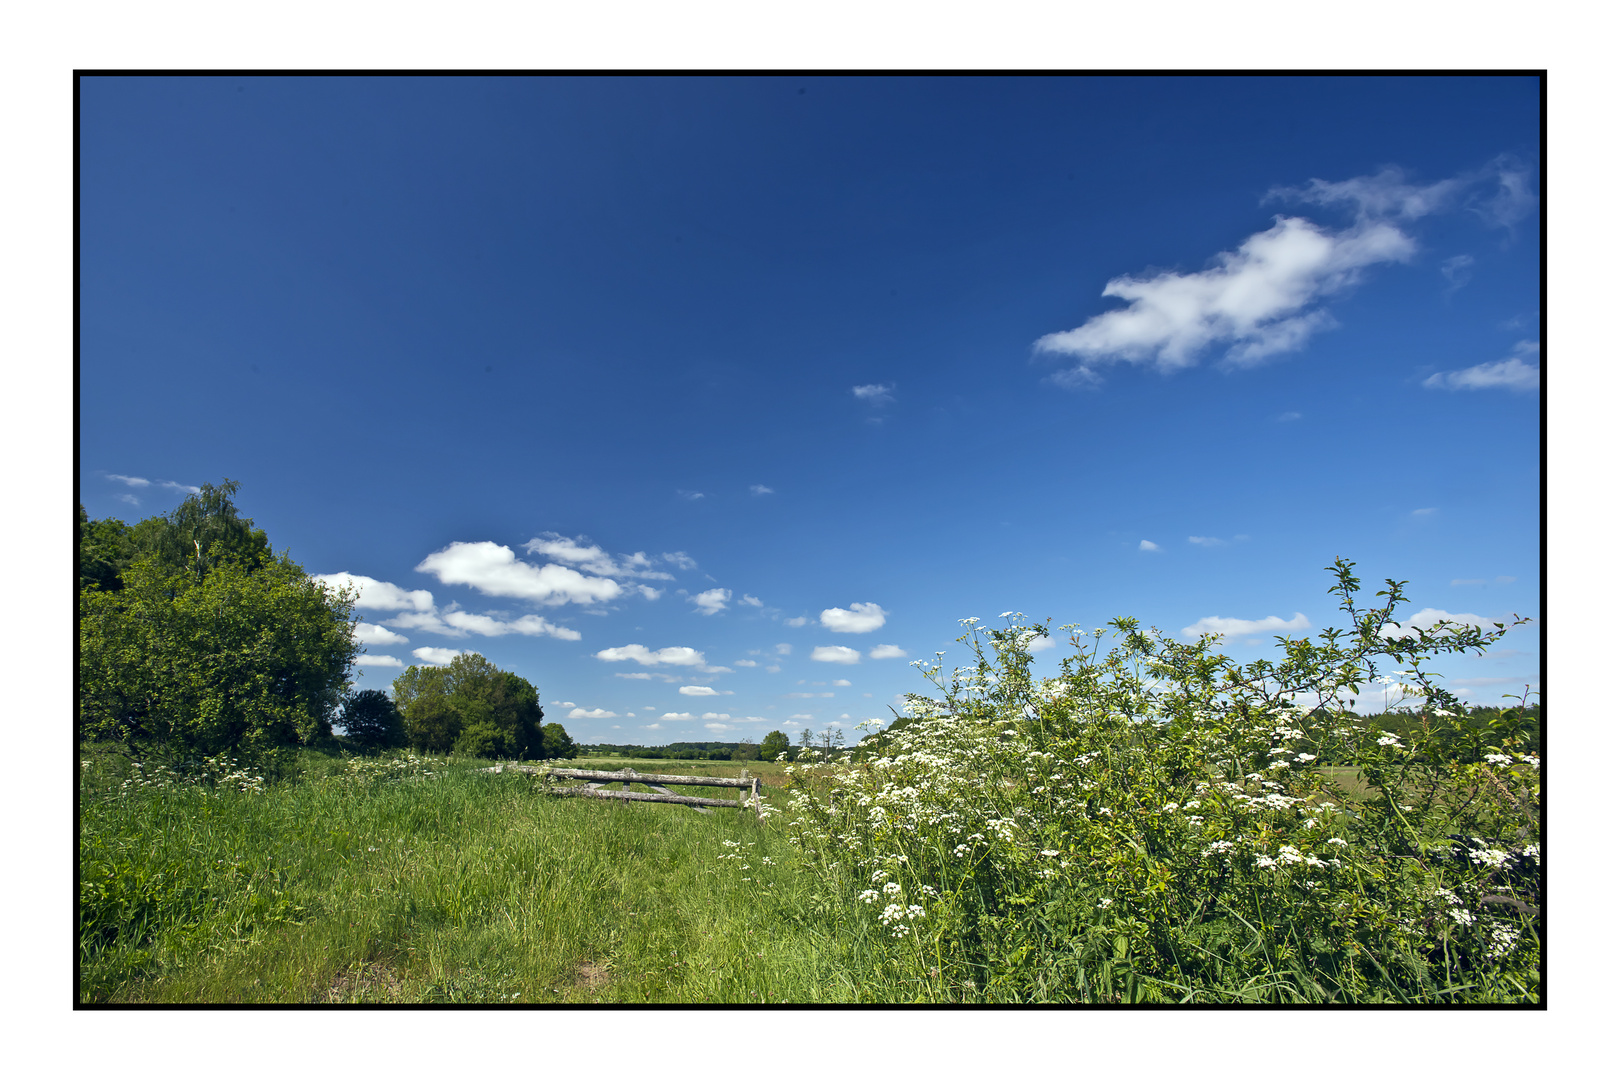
1511,373
1041,644
808,694
675,655
796,621
835,654
378,595
858,619
874,393
702,691
1147,545
841,682
370,634
649,592
528,625
802,716
760,489
564,704
632,674
676,716
494,570
711,601
437,657
1236,627
751,601
716,716
887,652
593,560
746,663
592,714
379,661
718,728
1428,618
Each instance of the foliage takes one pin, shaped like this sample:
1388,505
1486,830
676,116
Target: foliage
556,743
245,657
745,752
1149,826
773,744
203,532
471,707
372,721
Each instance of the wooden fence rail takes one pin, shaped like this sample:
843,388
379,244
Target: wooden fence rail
747,794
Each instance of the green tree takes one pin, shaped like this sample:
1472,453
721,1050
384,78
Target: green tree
773,744
233,656
745,752
470,707
371,719
555,743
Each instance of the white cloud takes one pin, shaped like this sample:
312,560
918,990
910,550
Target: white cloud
760,489
784,649
1147,545
676,655
773,668
655,727
874,393
1423,511
172,486
746,663
649,592
1236,627
1256,299
711,601
841,682
378,595
858,619
680,559
1456,272
717,728
677,716
592,714
632,675
494,570
751,601
716,716
132,481
592,559
886,652
1388,194
439,657
1428,617
694,496
702,691
1041,644
564,704
1289,417
379,661
1206,541
1509,374
126,497
835,654
802,716
370,634
528,625
808,694
797,620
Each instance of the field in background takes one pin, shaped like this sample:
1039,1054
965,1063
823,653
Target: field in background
459,886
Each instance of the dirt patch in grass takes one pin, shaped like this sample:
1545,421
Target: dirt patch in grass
377,981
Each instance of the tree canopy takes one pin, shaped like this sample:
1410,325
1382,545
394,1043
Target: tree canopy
471,707
193,634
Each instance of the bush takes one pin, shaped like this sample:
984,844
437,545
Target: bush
372,722
1149,827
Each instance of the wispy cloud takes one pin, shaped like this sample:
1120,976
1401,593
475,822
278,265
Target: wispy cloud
809,694
711,601
1147,545
1214,624
796,621
592,559
132,481
760,489
1266,297
856,619
874,393
1457,271
1425,511
886,652
751,601
784,649
1511,373
746,663
1289,417
1206,541
835,654
437,657
690,496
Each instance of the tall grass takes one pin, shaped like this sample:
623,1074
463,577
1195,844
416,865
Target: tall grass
406,880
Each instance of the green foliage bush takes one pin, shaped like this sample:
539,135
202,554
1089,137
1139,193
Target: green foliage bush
472,707
372,722
1149,826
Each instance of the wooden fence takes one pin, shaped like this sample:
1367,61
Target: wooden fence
747,794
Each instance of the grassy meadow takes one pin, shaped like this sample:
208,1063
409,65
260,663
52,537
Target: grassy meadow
409,880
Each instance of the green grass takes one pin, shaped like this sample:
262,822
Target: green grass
462,887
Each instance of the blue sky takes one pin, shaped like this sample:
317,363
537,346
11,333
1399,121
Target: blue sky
707,405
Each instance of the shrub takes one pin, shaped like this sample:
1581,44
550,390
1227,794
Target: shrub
371,721
1149,826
